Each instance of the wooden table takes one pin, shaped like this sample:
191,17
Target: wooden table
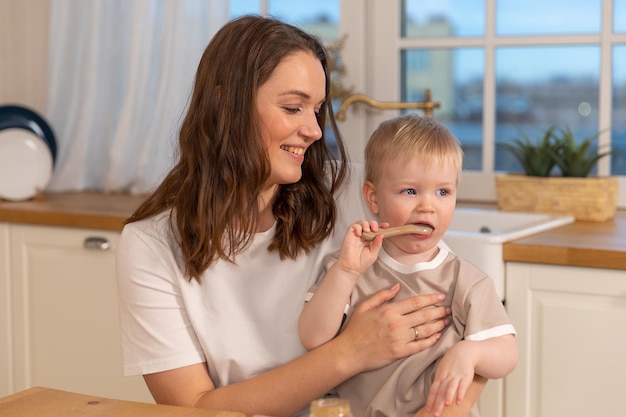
46,402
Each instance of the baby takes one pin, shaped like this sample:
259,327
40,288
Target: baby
412,167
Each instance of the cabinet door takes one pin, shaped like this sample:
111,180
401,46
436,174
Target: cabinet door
5,315
571,325
65,312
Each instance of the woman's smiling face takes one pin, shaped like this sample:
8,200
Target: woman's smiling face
288,104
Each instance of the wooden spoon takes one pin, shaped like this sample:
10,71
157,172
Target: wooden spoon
407,229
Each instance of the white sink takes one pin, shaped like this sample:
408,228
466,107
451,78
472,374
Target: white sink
478,234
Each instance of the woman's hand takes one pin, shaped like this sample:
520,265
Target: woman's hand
380,332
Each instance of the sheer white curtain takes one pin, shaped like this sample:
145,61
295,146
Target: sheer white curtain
120,74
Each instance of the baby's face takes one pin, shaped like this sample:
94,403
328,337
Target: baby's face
413,192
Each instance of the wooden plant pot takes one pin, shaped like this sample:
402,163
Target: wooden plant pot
588,199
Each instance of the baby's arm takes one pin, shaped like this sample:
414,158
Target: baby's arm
492,358
322,315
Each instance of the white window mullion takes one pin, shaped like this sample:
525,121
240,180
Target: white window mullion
489,89
480,185
264,7
606,83
383,82
355,55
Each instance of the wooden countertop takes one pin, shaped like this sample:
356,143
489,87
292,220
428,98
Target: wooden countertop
590,244
105,211
46,402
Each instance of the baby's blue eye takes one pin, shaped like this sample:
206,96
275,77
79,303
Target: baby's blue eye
410,191
442,193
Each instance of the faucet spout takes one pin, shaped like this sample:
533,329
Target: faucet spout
427,105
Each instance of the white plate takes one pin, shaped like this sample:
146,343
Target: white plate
25,164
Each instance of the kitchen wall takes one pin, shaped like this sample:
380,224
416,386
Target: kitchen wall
24,52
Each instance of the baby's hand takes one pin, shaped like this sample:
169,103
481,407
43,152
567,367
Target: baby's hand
358,254
454,375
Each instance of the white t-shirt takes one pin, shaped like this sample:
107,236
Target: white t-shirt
241,320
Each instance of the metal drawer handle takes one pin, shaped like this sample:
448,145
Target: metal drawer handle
99,243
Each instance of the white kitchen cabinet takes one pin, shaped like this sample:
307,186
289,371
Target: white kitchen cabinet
491,401
571,324
5,315
64,312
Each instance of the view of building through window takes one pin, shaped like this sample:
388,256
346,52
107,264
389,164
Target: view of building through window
546,71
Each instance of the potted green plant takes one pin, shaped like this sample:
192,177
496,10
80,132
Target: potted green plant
557,177
576,159
536,157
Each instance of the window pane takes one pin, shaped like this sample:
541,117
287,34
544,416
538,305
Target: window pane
619,16
242,7
618,131
537,87
319,17
450,18
455,78
540,17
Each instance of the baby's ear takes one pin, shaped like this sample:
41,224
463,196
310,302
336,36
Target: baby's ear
369,194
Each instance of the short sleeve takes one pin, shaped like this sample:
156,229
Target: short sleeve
156,334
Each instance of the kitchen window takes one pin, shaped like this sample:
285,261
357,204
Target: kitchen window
501,65
494,65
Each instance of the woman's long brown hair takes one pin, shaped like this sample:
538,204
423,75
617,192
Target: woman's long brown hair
212,192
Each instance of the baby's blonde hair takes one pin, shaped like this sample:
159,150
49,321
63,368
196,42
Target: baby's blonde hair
406,137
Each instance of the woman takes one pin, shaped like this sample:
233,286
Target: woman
213,267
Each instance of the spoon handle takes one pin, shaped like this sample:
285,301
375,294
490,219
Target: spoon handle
407,229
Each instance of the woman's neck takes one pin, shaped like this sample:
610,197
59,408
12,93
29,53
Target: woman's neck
266,214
